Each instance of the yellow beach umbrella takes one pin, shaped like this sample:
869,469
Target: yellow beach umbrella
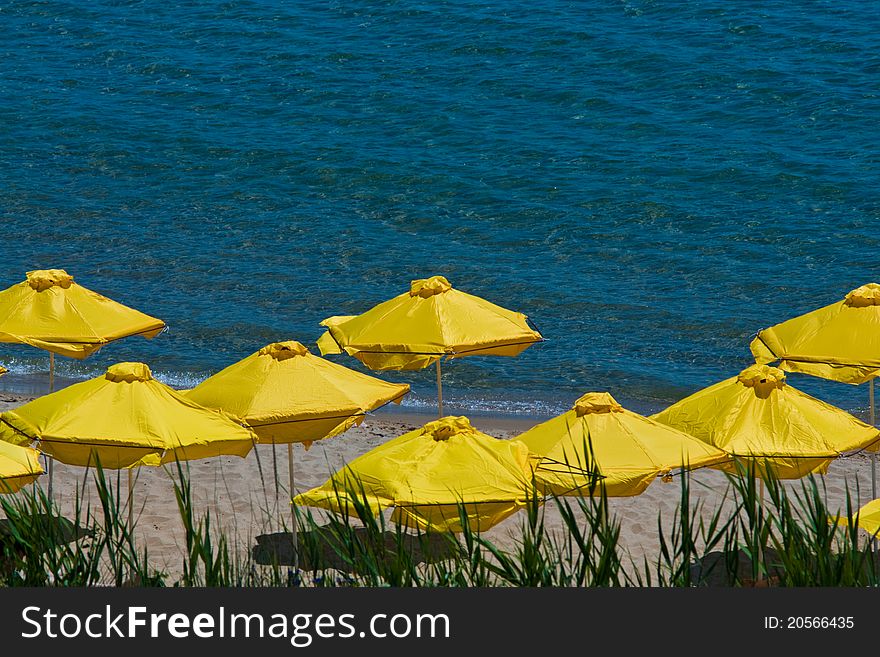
840,342
600,437
424,475
759,419
288,395
867,518
122,419
48,310
418,328
19,466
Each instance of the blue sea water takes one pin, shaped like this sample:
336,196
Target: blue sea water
650,182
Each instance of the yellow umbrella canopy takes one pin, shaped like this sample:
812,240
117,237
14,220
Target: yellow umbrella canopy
840,341
417,328
427,473
124,418
600,437
757,418
48,310
287,394
867,518
19,466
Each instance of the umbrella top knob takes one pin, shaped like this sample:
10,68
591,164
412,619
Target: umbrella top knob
284,350
445,428
597,402
428,287
762,376
128,373
866,295
43,279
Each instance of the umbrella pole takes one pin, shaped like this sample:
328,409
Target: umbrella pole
293,528
873,454
130,503
873,460
275,471
130,520
49,461
50,469
760,547
439,390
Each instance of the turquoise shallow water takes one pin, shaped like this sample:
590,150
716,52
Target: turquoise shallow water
650,183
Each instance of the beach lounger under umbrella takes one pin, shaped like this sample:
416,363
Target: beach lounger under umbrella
761,421
286,394
19,466
840,342
428,474
598,443
431,321
123,419
50,311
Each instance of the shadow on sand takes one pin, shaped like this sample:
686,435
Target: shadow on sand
317,549
722,569
54,529
61,530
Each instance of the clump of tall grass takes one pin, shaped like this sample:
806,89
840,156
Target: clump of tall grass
772,538
780,538
693,533
812,546
40,547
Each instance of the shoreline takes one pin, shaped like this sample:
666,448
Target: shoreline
18,387
485,421
518,411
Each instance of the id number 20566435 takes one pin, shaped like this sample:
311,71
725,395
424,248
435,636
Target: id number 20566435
809,622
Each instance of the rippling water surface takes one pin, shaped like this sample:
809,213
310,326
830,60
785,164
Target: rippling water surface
650,183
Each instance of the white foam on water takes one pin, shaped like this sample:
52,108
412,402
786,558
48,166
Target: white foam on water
487,405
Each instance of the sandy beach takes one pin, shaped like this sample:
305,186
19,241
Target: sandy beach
245,502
